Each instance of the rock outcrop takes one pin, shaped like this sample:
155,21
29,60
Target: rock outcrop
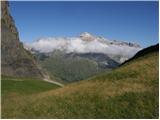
87,36
15,60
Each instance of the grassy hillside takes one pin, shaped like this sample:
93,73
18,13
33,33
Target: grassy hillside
130,91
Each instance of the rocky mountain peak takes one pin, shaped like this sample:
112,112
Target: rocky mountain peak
120,43
87,36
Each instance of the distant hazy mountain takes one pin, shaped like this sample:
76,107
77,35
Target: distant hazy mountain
16,61
77,58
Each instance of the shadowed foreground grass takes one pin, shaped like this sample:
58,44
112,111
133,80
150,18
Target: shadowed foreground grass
130,91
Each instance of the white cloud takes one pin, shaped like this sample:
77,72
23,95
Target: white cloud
80,46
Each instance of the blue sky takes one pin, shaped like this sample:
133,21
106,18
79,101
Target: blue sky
126,21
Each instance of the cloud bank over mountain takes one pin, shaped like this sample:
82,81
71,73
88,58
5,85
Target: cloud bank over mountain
86,43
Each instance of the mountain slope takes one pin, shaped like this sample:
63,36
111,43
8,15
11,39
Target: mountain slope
73,67
130,91
69,69
16,61
143,52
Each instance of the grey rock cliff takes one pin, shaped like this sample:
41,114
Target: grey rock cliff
15,60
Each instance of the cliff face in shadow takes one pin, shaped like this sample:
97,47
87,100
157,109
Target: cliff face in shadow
15,60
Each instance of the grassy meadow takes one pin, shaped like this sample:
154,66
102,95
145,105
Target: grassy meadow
130,91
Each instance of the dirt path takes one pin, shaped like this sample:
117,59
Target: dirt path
54,82
48,79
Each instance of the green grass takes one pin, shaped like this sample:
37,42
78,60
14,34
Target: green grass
130,91
24,86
